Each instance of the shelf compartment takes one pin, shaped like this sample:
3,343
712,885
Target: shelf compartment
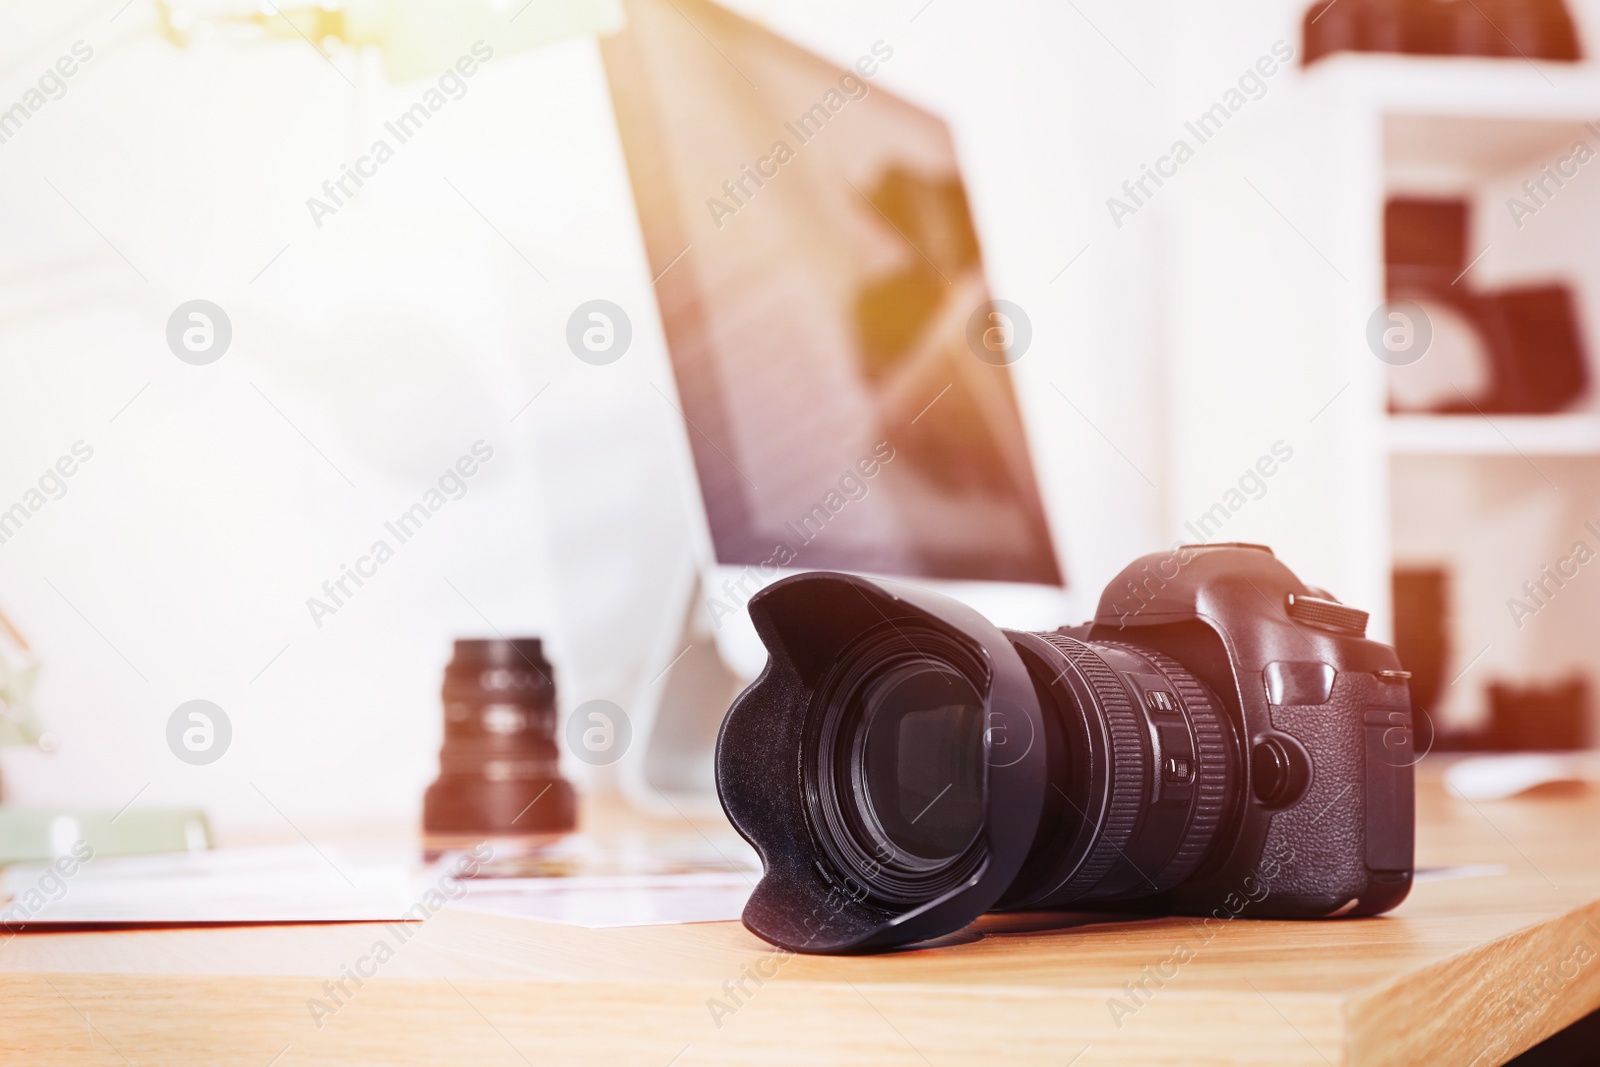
1576,434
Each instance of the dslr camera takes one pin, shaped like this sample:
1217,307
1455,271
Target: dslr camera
1233,745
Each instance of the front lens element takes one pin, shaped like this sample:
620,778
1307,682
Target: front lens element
896,778
921,761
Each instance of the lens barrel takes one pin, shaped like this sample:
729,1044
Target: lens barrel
946,764
499,767
1140,761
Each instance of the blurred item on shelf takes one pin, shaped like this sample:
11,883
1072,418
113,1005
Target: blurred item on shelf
1539,364
1538,718
1426,237
1515,351
1517,29
1552,717
1421,631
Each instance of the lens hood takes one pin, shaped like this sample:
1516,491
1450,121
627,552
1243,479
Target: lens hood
810,623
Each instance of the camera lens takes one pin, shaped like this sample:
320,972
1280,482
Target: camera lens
921,761
499,767
895,766
903,765
1141,768
919,743
1134,748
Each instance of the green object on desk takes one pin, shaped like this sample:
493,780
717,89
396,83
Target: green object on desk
33,834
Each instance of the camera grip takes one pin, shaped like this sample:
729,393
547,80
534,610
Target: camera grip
1346,846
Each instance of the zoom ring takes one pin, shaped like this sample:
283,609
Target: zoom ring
1126,757
1211,765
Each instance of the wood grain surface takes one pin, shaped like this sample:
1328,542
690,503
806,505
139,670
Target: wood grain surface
1468,971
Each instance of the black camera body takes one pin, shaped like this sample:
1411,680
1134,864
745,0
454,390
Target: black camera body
1221,740
1323,799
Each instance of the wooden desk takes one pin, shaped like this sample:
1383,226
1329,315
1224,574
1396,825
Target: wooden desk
1453,977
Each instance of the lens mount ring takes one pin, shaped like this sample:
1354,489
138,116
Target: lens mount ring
1213,759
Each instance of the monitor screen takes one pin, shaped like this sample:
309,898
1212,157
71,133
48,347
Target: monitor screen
819,278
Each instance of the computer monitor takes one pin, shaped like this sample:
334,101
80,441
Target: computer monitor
840,367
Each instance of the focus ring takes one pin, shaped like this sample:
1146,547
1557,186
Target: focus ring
1211,765
1127,774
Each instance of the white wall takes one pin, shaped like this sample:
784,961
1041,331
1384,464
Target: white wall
403,330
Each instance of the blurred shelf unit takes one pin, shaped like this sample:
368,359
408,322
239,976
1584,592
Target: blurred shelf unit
1461,87
1279,252
1572,434
1484,499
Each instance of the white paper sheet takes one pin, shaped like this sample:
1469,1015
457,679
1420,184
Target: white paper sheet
256,885
299,884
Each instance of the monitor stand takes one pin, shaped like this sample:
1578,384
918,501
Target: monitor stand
696,668
685,694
